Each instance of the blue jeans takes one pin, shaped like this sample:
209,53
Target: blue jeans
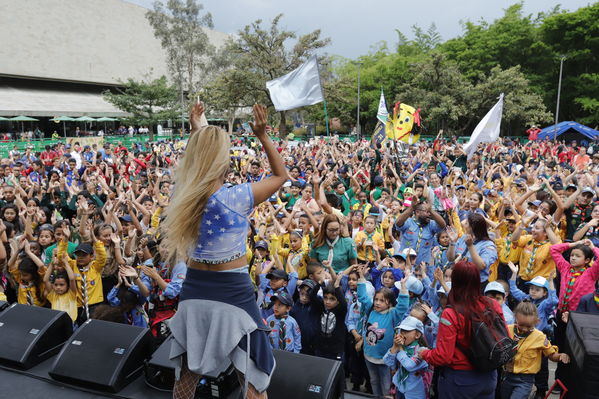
517,386
466,384
380,378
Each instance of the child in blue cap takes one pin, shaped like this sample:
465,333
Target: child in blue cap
541,293
403,355
496,291
284,331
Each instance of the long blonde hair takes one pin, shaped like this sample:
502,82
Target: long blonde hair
204,165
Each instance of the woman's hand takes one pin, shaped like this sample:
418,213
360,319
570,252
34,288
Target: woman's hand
468,240
453,235
259,124
195,116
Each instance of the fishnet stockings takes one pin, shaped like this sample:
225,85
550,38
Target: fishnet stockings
185,386
252,392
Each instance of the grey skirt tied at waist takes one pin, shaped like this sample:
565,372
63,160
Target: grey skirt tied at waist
216,316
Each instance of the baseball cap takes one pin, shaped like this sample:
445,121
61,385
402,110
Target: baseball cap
440,290
85,248
412,284
535,203
539,281
399,255
126,218
342,169
411,323
262,244
588,190
571,186
282,297
460,187
278,273
308,283
495,286
408,252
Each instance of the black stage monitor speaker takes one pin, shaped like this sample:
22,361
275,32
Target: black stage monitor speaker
300,376
30,334
582,338
103,355
3,305
160,374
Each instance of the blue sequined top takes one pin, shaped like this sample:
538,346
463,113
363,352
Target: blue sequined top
224,226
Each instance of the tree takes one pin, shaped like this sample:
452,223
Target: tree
149,102
261,54
181,30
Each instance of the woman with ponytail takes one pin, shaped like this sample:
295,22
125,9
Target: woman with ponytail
218,320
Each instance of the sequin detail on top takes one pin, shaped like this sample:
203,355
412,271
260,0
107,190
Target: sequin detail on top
224,226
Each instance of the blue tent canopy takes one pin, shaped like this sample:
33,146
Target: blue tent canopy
570,131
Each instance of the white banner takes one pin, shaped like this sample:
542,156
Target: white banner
382,113
487,129
298,88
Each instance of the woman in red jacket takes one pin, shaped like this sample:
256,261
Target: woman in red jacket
458,378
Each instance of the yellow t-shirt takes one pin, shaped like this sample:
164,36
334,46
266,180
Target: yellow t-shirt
66,302
25,291
543,263
368,254
93,274
298,259
531,349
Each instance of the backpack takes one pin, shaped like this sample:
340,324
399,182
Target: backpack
490,346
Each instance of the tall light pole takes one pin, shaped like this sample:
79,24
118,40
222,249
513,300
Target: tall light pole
358,129
559,89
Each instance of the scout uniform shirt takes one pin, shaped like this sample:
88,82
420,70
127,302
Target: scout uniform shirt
91,276
535,259
531,350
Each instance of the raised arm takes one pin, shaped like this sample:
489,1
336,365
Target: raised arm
263,189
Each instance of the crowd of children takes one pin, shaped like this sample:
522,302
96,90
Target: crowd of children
352,259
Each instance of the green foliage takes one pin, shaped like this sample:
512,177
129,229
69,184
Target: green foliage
180,28
457,81
149,103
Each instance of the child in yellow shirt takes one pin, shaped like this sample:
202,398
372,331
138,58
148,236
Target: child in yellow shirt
62,291
295,256
519,376
87,268
368,239
28,274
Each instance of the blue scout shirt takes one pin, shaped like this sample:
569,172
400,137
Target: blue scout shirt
486,250
420,238
284,334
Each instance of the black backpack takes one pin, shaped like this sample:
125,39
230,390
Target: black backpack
490,346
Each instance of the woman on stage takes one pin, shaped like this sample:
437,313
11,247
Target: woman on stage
218,321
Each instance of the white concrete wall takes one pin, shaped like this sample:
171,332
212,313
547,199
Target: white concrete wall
95,41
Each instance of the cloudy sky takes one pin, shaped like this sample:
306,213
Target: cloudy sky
354,26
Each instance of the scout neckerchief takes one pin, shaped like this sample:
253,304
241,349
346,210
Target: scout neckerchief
369,249
28,292
438,257
84,292
508,247
331,245
531,260
282,334
402,372
420,231
574,274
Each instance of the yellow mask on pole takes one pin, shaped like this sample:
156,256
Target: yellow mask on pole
399,127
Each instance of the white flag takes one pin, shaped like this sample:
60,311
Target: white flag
298,88
382,114
487,129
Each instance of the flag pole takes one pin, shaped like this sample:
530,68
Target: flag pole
326,117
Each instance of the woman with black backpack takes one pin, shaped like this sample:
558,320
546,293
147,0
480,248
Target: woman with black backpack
468,361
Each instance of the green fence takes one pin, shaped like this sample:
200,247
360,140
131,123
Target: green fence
38,145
